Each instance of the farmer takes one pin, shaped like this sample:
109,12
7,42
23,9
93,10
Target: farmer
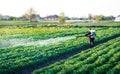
91,34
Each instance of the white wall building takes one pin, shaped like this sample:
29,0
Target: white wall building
5,17
117,19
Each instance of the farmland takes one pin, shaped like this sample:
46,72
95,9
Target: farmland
55,23
98,60
16,55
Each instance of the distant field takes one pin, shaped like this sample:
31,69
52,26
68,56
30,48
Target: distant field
25,22
55,23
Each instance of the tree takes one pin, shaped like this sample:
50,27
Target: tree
101,17
12,18
96,17
31,14
110,17
0,17
25,16
90,16
61,19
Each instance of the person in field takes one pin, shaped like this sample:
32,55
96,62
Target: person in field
91,34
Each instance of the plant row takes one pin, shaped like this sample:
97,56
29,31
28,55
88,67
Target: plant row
102,59
14,59
39,33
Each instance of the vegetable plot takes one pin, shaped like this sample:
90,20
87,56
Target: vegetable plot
14,59
102,59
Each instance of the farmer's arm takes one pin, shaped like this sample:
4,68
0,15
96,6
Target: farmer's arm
88,34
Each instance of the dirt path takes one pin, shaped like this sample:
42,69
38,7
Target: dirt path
64,57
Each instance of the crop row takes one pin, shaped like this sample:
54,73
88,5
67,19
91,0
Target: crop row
13,59
102,59
39,33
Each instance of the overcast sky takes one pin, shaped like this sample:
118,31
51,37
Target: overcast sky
71,8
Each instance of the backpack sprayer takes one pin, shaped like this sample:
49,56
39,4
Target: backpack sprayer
92,33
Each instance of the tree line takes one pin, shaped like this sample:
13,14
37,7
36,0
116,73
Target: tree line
31,14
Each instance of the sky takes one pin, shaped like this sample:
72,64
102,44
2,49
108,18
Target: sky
71,8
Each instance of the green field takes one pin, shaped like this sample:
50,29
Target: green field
21,49
98,60
55,23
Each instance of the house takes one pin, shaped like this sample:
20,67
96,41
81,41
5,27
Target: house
5,17
117,19
22,19
51,17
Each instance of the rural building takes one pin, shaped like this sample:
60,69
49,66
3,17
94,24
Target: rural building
51,17
22,19
5,17
117,19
